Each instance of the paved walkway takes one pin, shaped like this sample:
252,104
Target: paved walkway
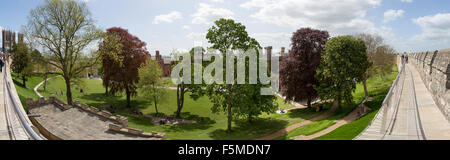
413,121
292,127
435,125
4,131
349,118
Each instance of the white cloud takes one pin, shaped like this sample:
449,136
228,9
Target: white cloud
217,1
336,16
196,36
434,27
169,18
392,15
407,1
207,14
185,27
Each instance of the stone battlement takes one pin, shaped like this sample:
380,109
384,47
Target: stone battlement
434,69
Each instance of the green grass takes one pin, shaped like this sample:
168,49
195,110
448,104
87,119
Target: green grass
376,86
209,126
353,129
26,92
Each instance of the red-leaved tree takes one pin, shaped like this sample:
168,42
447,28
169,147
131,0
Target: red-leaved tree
121,69
298,69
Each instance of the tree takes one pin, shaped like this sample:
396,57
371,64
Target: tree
151,84
21,61
121,69
298,69
344,64
228,35
183,88
65,28
109,50
380,55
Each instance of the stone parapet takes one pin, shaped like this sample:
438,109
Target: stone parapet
434,69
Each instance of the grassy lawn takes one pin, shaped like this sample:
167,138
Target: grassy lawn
26,92
352,129
208,126
376,86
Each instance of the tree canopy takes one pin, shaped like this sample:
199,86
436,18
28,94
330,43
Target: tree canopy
121,68
241,99
65,28
344,64
298,69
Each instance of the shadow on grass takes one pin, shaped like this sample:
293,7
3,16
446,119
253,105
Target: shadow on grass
203,123
114,103
243,130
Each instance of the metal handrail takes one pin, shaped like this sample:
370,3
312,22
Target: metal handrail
28,127
388,96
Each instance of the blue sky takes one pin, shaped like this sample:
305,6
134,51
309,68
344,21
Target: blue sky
407,25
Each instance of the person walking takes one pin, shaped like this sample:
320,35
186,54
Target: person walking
1,64
406,59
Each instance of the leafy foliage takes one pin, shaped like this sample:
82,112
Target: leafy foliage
121,68
380,55
344,64
151,84
21,61
298,69
235,100
65,28
183,88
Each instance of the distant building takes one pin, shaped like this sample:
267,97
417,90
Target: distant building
164,63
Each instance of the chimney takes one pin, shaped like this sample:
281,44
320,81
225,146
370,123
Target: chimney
282,51
269,52
157,56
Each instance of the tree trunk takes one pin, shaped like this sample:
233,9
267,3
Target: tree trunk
229,105
106,90
179,100
128,97
365,87
69,91
24,81
309,102
156,107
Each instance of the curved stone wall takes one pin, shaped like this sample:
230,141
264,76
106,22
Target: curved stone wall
434,69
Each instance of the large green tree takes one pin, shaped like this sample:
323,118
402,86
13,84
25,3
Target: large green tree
21,61
344,64
65,29
235,100
121,63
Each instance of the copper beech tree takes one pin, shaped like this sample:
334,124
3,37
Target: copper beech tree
298,69
121,69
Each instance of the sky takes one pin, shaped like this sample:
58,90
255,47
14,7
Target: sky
167,25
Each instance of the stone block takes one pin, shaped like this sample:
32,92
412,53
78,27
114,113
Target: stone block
115,127
135,131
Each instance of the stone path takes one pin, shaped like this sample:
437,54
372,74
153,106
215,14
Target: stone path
39,85
292,127
417,115
4,131
435,125
350,118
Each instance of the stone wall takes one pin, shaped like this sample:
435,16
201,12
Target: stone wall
121,122
434,69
